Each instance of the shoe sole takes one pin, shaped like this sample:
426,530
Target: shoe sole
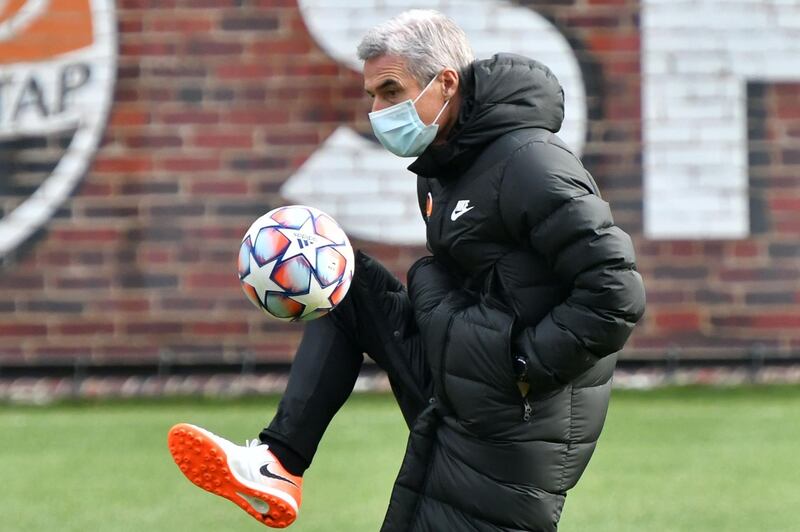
205,464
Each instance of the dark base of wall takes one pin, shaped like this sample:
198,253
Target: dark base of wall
24,385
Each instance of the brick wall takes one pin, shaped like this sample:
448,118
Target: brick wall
218,102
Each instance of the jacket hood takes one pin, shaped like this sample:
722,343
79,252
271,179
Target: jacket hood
501,94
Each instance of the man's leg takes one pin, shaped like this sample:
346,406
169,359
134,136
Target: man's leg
389,335
266,480
375,318
324,371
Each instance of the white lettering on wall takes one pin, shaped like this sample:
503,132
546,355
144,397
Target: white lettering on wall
68,91
367,189
697,57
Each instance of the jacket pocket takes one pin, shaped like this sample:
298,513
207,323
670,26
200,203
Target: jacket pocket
477,375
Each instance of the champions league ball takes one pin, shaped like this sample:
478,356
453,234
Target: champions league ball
295,263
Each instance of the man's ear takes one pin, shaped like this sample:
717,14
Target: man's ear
450,82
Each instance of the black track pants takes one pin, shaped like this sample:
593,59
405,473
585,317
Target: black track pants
374,318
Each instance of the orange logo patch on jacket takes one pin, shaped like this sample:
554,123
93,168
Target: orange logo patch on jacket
428,206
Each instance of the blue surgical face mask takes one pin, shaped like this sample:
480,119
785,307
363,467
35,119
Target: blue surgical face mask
400,129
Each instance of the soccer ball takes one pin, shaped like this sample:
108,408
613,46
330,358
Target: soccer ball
295,263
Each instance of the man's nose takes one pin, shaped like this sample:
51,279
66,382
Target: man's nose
378,104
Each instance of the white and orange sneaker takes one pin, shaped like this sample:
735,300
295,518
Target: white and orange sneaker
250,476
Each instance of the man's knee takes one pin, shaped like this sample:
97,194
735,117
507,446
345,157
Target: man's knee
379,299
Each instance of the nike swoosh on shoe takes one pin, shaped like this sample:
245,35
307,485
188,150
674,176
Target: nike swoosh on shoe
267,473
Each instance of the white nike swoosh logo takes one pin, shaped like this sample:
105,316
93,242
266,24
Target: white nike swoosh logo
457,214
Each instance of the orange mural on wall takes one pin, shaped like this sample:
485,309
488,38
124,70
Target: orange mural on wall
32,30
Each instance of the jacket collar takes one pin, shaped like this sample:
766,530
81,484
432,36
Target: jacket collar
499,95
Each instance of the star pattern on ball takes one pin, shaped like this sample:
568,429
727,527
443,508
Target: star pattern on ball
318,297
260,278
258,225
304,241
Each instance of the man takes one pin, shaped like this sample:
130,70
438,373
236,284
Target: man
502,350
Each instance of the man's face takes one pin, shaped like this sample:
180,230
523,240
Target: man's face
387,82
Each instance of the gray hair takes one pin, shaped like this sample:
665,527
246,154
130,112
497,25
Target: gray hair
428,40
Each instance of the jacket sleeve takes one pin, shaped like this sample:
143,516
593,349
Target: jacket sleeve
550,200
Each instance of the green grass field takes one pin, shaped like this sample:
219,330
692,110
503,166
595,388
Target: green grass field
669,460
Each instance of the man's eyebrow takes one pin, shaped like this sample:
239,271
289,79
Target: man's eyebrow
389,83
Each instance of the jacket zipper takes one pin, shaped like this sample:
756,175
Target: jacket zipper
443,361
527,410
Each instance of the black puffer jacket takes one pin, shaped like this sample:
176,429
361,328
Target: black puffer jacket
526,258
